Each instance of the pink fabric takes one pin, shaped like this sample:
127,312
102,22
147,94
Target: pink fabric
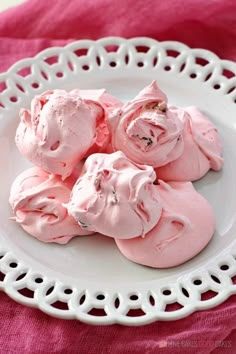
35,25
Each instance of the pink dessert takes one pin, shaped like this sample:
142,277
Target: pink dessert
106,103
186,226
115,197
58,131
202,148
112,153
36,199
146,130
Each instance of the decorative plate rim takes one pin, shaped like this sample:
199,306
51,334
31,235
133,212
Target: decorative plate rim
26,286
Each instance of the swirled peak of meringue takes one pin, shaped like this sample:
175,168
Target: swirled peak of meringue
103,102
202,148
57,132
115,197
145,130
36,199
186,226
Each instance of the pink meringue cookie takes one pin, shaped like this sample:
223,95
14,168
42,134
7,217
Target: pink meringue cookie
99,96
115,197
58,131
36,199
105,102
202,148
146,130
186,226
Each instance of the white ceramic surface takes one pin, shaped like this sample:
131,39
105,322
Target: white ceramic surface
90,273
5,4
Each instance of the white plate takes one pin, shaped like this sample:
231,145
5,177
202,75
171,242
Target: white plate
90,273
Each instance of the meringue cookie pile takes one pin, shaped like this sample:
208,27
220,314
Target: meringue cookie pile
121,170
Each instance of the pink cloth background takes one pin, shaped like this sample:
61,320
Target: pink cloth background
35,25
